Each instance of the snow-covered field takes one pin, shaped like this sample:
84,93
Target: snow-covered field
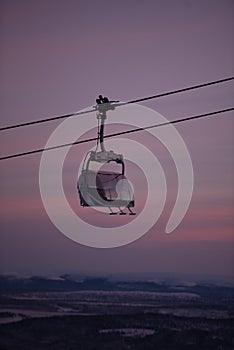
129,332
211,314
49,304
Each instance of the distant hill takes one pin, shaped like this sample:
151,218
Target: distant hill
13,284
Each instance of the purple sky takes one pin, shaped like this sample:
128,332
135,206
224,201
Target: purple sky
56,57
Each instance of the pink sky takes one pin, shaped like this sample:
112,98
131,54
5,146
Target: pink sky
57,56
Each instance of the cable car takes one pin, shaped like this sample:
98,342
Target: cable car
101,188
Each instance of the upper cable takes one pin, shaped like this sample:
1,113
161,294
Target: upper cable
116,104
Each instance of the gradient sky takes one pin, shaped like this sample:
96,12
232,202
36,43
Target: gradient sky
56,57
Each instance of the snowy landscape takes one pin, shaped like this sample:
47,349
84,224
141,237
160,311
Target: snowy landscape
70,313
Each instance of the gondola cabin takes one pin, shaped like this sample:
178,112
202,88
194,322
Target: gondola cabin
104,188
